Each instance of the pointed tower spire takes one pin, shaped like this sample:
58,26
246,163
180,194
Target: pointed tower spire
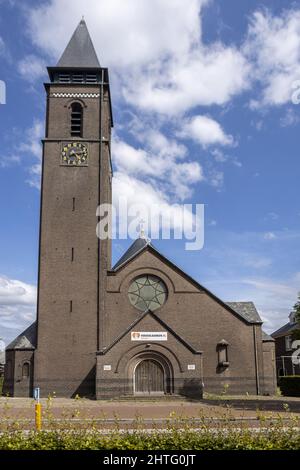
80,52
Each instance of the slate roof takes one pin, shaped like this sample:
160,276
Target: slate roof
247,310
135,248
25,340
285,329
80,52
266,337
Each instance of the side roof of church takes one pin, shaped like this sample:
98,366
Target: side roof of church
26,340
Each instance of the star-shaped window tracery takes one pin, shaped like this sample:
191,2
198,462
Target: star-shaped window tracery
147,292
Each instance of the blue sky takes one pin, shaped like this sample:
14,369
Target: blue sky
203,111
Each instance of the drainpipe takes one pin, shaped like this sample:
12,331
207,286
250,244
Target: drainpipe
100,313
256,361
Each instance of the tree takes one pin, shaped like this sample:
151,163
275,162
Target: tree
296,312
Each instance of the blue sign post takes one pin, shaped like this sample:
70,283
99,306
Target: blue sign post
36,394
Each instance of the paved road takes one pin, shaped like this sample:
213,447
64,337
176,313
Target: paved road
106,413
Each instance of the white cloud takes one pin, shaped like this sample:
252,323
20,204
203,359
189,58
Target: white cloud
205,131
273,46
272,216
14,292
274,299
32,68
212,223
256,262
35,176
125,33
28,150
153,71
166,176
181,83
158,160
31,147
270,236
154,47
221,157
32,144
152,200
2,47
216,179
290,118
10,160
4,51
17,305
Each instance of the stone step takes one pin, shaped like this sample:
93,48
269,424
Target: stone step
133,398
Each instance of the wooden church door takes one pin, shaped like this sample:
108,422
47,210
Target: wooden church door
149,377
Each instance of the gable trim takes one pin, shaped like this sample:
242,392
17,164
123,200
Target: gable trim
155,252
165,325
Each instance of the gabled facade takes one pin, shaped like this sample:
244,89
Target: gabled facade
142,328
283,348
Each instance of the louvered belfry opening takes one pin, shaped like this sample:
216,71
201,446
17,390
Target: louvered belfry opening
76,120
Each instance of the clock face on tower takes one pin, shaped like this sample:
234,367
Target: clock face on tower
74,154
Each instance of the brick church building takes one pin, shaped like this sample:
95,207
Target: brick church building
141,327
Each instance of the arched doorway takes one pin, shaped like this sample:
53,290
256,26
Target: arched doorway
149,378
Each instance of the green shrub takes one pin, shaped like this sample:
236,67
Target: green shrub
272,439
290,385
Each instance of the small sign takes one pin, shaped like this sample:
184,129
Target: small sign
149,336
107,367
191,367
36,393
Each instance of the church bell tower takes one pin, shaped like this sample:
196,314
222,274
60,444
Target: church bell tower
73,262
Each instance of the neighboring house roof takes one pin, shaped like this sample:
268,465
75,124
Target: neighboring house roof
266,338
285,330
25,340
80,52
245,310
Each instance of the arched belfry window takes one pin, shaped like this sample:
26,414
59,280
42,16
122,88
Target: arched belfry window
76,119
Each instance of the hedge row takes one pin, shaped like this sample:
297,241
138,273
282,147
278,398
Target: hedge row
290,385
276,439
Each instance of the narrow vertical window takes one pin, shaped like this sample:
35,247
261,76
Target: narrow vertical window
72,254
25,370
288,342
76,119
73,206
71,306
222,349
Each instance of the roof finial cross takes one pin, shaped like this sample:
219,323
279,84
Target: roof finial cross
142,228
142,234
